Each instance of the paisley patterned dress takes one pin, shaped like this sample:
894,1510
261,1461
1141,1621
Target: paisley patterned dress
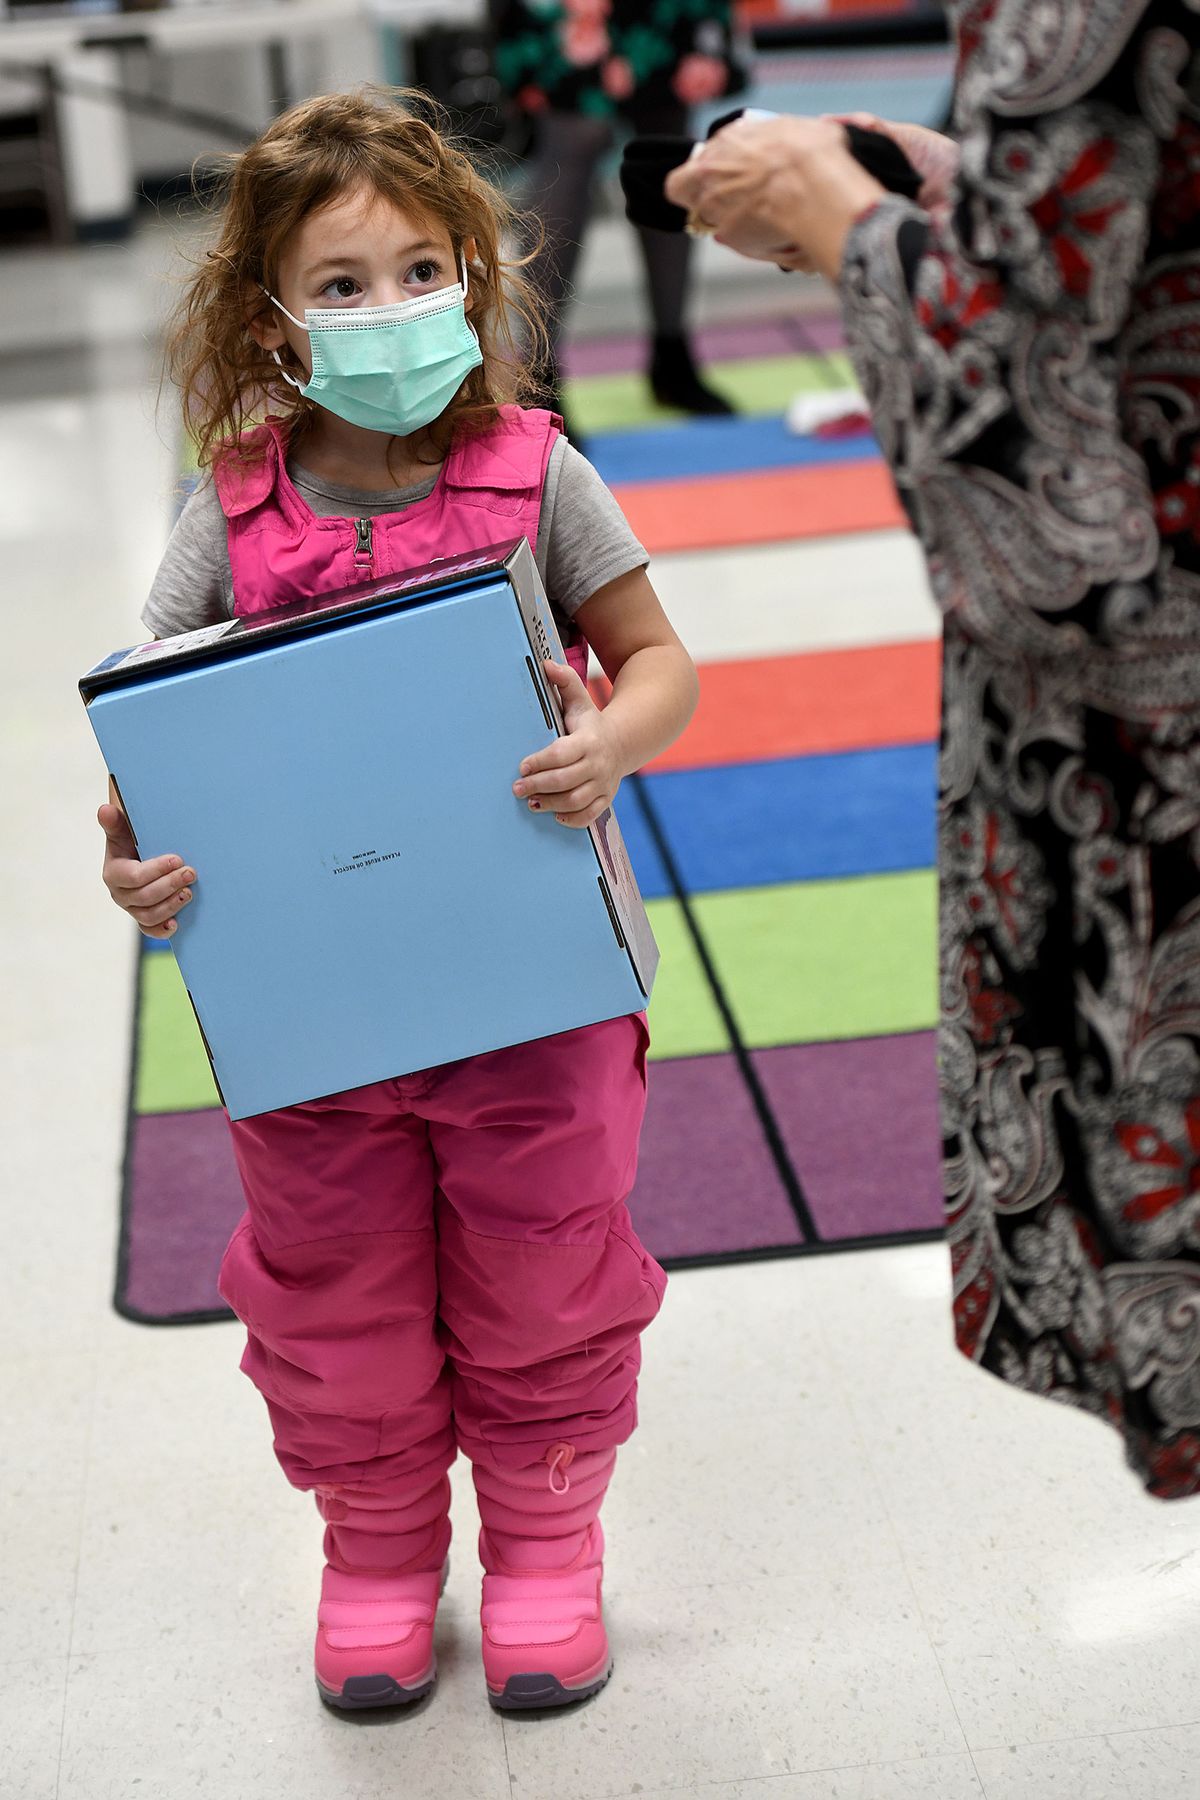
1032,359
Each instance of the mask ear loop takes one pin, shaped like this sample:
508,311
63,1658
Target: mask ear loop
462,262
301,326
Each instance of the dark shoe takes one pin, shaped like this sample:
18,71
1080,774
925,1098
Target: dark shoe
675,381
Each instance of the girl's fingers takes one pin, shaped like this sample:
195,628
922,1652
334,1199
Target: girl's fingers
159,931
157,866
133,892
552,781
119,839
131,872
146,916
558,755
563,675
569,798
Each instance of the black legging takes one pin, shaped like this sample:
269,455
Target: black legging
562,172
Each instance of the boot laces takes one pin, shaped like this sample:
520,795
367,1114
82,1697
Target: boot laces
560,1457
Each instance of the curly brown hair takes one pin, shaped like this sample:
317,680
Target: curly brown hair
396,142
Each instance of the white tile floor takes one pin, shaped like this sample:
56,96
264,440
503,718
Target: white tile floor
844,1565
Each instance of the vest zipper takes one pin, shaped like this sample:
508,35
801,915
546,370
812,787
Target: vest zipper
364,544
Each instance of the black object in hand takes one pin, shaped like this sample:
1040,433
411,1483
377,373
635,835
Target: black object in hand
649,160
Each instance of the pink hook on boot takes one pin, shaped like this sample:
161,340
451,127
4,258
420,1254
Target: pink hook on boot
541,1545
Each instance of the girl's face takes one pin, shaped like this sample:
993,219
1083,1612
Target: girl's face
359,250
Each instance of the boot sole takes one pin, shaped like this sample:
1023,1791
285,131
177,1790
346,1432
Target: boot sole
534,1693
362,1692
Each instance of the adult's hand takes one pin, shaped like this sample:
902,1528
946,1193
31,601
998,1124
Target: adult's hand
779,190
934,156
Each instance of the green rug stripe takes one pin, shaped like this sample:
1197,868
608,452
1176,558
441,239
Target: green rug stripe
684,1020
807,962
173,1073
814,961
758,387
172,1069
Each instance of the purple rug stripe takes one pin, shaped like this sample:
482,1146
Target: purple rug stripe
790,335
706,1186
860,1121
706,1182
184,1201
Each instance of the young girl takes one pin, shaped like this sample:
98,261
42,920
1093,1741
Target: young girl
441,1262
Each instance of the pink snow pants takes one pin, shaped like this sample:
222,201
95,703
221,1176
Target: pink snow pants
445,1261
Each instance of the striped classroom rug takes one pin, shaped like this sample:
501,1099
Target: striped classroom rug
784,846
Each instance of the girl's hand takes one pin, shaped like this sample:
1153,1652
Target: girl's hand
934,156
153,892
578,775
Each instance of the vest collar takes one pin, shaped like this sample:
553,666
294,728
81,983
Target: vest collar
497,459
245,481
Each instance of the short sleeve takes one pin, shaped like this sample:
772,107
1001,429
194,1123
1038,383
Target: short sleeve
584,539
193,586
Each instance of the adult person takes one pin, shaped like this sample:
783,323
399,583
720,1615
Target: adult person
1029,343
576,69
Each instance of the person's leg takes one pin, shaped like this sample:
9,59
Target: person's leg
667,257
666,254
560,185
333,1272
544,1293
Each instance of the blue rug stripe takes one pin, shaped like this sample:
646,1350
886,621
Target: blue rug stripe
806,818
717,447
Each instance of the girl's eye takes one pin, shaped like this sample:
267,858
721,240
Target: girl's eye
342,287
422,274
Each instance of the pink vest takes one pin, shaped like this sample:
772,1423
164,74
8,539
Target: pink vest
489,490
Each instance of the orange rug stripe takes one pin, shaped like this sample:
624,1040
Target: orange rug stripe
812,704
761,506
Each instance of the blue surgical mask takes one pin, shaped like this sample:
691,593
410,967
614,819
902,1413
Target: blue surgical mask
389,368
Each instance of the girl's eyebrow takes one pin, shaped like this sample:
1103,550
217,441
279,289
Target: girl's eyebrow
349,262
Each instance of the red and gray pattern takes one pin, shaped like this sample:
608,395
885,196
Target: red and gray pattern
1032,358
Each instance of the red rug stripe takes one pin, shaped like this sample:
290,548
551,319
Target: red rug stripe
761,506
812,704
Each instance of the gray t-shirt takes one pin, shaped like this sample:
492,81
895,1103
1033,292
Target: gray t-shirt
583,541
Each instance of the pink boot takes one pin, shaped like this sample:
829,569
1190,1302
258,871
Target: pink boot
386,1569
542,1548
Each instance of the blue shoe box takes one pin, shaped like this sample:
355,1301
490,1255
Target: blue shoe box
371,898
